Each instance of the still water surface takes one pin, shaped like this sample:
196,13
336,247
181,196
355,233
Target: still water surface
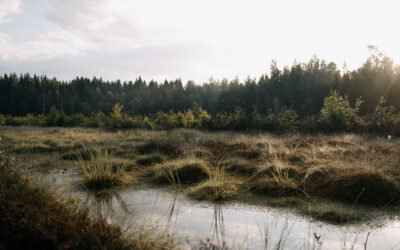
239,226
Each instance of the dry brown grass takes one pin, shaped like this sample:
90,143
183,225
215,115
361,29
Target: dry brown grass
349,168
182,171
32,218
103,169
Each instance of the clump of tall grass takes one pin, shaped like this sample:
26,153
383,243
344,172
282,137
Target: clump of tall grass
277,179
101,170
239,166
182,171
218,187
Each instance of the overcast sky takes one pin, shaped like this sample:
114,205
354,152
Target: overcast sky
189,39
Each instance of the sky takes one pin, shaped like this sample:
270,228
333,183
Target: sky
189,39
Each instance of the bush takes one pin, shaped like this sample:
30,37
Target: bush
116,116
55,118
337,113
96,119
396,126
384,118
74,120
165,120
2,119
284,119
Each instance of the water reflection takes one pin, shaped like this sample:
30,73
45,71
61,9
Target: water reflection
106,204
218,227
233,225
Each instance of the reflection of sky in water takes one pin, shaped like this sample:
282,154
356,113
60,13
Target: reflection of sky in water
241,226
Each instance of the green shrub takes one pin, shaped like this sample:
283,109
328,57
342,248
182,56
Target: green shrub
337,113
116,116
396,126
55,118
384,118
74,120
96,119
2,119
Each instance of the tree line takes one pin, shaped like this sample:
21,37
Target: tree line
296,93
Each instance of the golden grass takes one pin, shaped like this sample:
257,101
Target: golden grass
182,171
102,170
348,168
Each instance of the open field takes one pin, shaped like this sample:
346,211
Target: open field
337,178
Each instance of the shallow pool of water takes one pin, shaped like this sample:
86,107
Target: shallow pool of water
240,226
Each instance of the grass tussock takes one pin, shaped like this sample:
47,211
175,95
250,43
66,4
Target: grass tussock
240,166
357,185
32,218
150,159
218,187
243,149
103,170
157,146
182,171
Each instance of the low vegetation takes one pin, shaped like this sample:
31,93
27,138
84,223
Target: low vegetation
337,178
102,169
185,171
337,114
32,218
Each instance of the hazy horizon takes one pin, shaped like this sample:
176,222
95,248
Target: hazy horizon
190,40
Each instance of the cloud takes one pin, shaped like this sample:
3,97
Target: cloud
43,47
170,61
188,38
7,8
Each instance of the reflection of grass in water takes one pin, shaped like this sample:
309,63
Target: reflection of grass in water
102,202
280,242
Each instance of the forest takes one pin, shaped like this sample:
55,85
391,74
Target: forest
307,96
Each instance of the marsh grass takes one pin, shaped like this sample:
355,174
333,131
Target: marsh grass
183,171
148,236
218,187
240,166
277,179
351,169
218,183
32,218
150,159
101,170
